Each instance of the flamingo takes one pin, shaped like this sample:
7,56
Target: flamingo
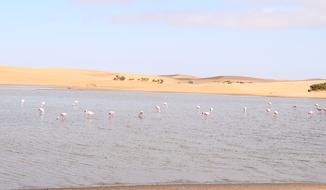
111,114
245,109
158,109
268,110
166,104
62,116
270,103
311,113
42,104
319,108
197,107
22,101
76,103
206,114
276,113
141,115
88,113
41,110
211,110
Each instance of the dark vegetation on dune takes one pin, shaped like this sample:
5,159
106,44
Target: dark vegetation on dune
318,87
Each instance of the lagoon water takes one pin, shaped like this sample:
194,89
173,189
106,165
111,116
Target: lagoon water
175,146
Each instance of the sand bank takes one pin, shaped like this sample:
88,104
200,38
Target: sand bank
96,80
215,187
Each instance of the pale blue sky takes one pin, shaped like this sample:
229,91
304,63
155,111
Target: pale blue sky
283,39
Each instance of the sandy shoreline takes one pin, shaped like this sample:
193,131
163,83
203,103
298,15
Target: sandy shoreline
212,187
97,80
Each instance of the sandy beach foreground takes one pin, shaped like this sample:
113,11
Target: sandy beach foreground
97,80
214,187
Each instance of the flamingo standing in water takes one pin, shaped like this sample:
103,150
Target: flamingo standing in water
88,113
197,107
165,104
275,113
111,114
208,113
141,115
62,116
76,103
311,113
158,109
41,110
268,110
42,104
245,109
205,115
319,108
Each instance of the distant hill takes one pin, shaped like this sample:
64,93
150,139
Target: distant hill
181,77
235,79
217,78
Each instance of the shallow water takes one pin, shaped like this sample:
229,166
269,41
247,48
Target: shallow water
175,146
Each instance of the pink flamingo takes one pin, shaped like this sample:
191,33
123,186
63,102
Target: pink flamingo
76,103
141,115
158,109
88,113
268,110
111,114
41,110
62,116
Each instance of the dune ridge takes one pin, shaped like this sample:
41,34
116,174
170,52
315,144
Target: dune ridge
100,80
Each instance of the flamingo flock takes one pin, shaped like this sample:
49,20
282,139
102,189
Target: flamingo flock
157,108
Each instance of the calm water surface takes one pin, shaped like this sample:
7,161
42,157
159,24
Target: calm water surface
175,146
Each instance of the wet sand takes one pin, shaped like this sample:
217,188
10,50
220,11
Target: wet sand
214,187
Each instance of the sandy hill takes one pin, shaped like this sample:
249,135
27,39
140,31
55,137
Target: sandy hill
98,80
235,79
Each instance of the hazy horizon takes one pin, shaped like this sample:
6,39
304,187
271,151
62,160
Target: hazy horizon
270,39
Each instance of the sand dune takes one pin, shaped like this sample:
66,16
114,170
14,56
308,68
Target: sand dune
97,80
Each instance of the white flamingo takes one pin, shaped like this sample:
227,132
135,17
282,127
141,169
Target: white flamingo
88,113
270,103
268,110
245,109
141,115
206,114
41,111
158,109
319,109
42,104
311,113
275,113
111,114
211,110
76,103
197,107
62,116
166,104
